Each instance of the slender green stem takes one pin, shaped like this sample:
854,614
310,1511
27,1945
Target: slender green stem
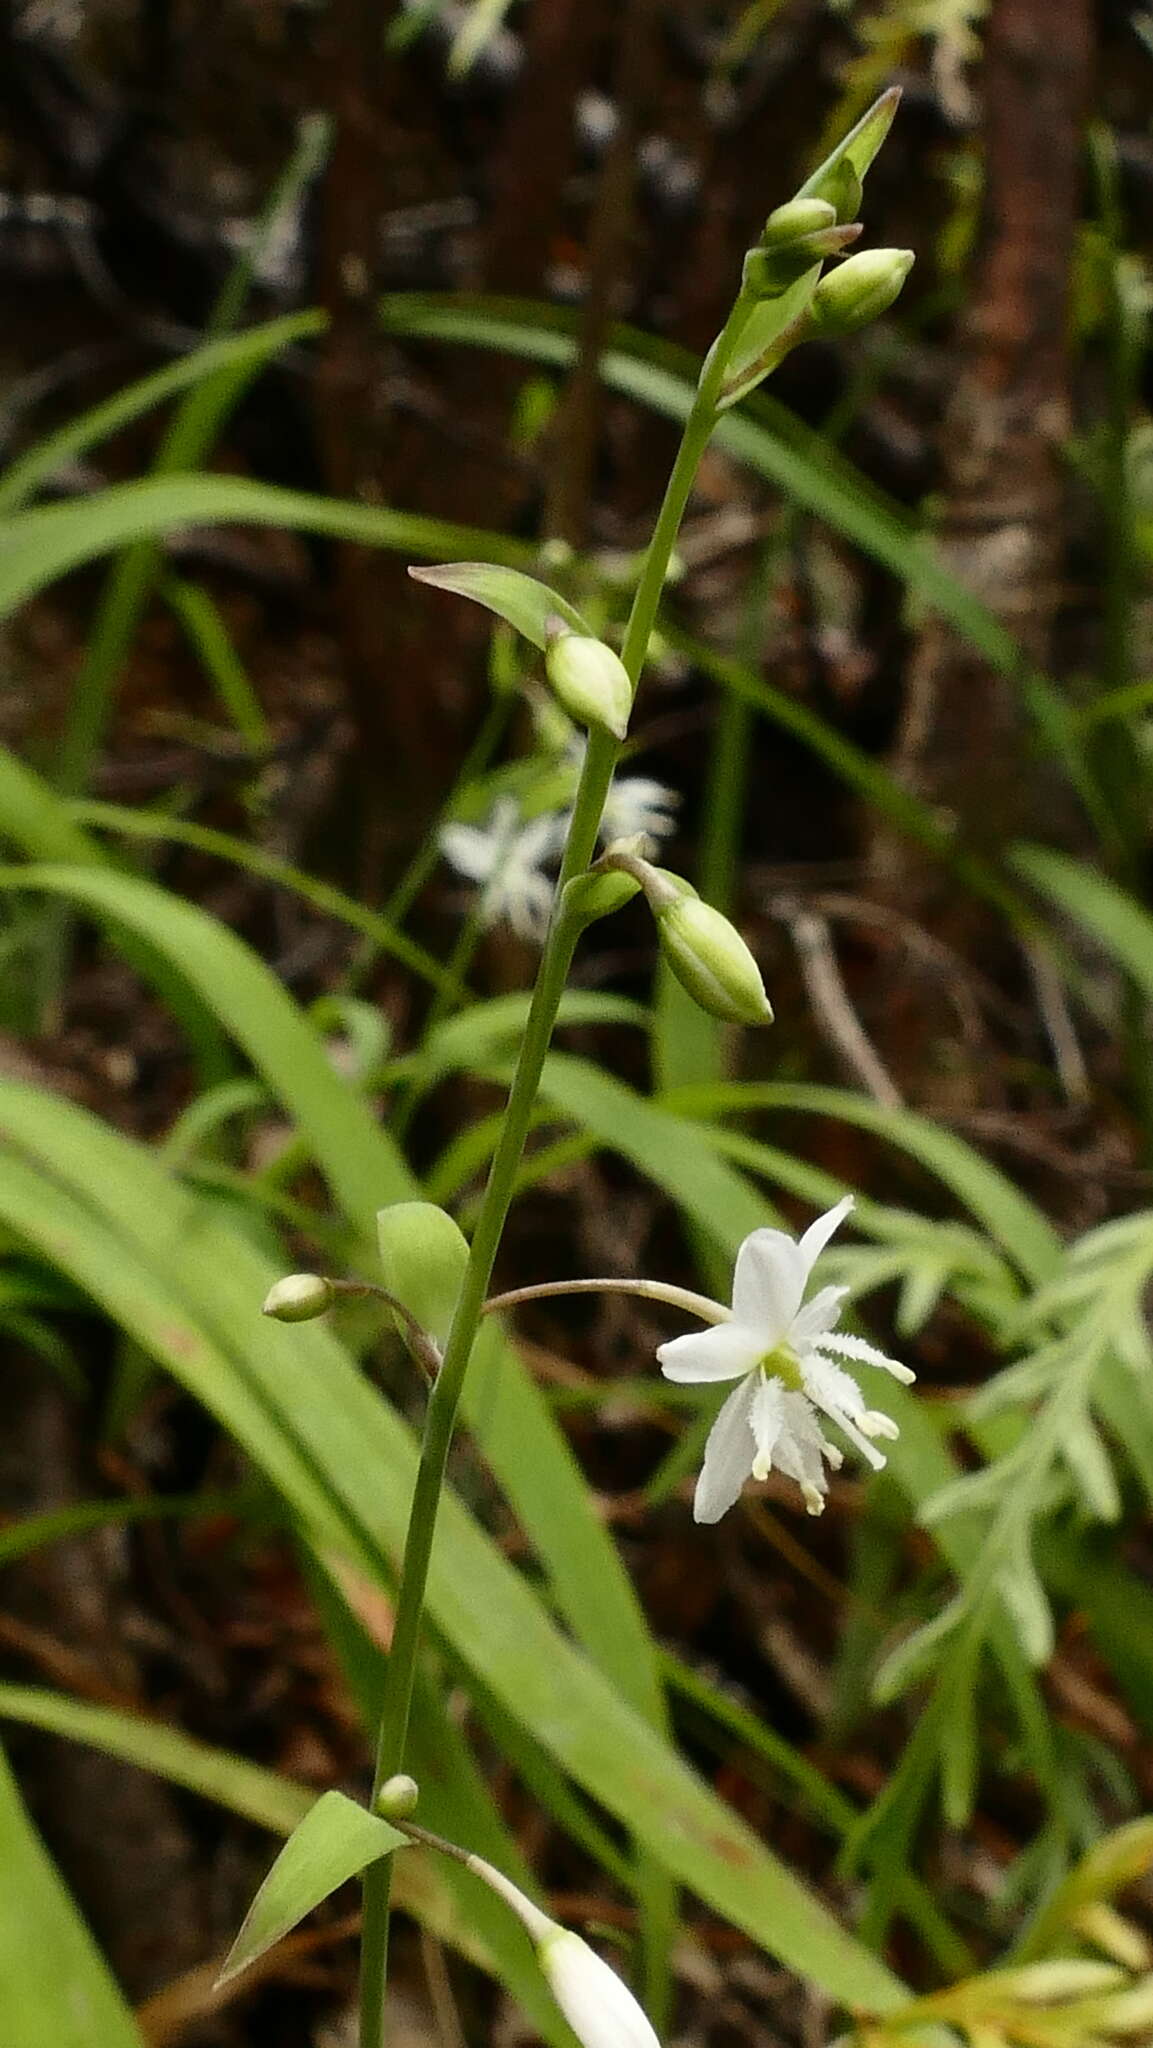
601,758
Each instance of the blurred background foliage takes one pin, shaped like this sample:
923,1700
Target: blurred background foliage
297,294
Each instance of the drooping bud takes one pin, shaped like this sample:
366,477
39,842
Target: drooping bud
597,2004
298,1297
712,962
705,952
590,680
859,290
398,1797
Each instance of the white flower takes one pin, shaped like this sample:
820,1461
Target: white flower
506,857
636,804
778,1350
598,2006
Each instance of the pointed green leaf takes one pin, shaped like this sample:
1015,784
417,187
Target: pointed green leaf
335,1841
523,601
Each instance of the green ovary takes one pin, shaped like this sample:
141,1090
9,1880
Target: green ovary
784,1365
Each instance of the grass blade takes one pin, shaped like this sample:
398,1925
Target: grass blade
55,1987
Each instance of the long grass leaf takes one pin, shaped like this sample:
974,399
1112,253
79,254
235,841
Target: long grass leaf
257,346
39,546
1109,913
55,1987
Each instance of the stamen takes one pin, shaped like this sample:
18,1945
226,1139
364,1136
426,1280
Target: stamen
858,1347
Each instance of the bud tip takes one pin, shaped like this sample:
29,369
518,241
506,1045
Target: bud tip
298,1297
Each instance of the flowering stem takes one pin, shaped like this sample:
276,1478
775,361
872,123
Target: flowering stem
652,1290
601,757
531,1917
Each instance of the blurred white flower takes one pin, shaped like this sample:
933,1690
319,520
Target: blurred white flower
777,1349
636,804
507,857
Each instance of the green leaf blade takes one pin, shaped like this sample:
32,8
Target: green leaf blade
336,1840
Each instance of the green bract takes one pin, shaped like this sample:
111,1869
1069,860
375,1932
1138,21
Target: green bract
423,1257
527,604
590,680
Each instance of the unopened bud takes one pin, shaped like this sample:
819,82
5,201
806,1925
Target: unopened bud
859,290
590,680
712,962
298,1297
795,218
398,1797
597,2004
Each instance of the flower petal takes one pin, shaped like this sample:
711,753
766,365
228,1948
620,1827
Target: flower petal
728,1455
469,851
813,1322
817,1236
723,1352
768,1283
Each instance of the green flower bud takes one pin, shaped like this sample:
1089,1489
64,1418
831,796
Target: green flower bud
298,1297
590,680
859,290
711,960
796,218
398,1797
